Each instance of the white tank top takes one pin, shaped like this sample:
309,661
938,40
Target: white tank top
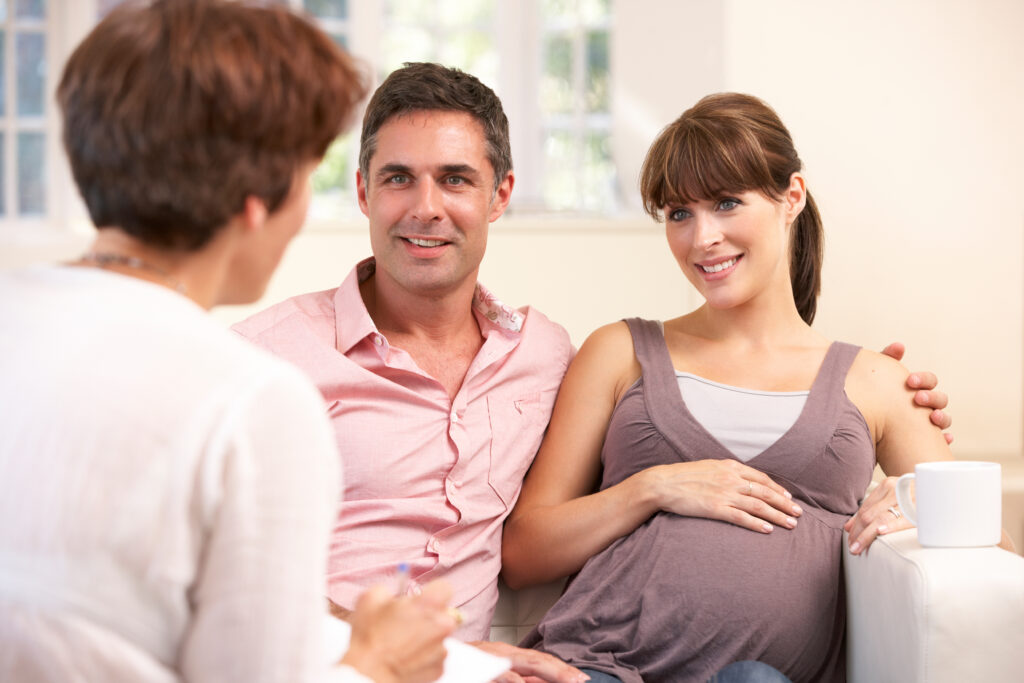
745,421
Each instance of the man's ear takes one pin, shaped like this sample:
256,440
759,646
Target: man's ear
502,196
361,193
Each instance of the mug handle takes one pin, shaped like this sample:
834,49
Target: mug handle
903,497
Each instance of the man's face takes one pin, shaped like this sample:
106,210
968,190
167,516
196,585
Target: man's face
429,194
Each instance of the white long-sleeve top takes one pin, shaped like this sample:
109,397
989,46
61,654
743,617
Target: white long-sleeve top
166,491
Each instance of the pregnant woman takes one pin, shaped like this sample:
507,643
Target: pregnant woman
698,472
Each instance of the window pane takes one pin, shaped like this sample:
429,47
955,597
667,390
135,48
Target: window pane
560,170
595,11
31,173
31,66
3,73
333,9
409,12
555,9
597,71
333,174
556,81
598,181
30,9
3,184
406,44
473,52
466,13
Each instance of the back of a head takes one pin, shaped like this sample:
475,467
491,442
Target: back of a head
425,86
732,142
176,110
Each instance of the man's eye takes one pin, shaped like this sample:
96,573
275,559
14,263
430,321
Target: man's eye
455,180
398,179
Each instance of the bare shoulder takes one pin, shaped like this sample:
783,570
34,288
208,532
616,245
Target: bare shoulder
877,368
607,356
876,384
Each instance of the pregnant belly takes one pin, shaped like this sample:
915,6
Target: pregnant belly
683,594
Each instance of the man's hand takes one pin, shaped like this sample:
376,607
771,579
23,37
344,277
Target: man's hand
531,666
925,395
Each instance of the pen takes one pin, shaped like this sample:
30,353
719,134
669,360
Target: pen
403,578
402,572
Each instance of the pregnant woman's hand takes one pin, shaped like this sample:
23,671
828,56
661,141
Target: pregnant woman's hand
726,490
879,514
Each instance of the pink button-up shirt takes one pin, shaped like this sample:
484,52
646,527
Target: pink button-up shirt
428,480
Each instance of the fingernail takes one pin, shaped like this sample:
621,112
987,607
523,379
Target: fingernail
855,547
766,526
797,510
788,494
913,380
882,528
582,677
791,522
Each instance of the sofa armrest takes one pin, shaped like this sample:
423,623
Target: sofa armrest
933,614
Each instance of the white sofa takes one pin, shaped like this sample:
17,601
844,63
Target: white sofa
914,614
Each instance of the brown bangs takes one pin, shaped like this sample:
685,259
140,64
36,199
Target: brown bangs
697,158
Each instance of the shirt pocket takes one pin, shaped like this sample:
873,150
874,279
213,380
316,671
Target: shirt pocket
517,427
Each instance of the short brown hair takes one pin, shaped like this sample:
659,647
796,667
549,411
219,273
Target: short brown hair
731,142
424,86
176,110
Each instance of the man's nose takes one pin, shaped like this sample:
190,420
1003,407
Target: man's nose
429,202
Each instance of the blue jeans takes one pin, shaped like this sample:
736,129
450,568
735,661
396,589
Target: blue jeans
737,672
749,672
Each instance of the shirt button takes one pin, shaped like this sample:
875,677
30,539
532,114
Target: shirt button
434,545
378,340
455,418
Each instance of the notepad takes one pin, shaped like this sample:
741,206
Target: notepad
464,663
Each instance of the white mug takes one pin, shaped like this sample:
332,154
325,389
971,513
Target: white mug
959,503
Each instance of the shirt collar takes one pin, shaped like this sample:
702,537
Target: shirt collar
353,321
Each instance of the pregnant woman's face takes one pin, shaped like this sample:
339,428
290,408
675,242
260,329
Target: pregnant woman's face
731,247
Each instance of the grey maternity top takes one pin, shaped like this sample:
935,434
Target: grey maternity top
681,597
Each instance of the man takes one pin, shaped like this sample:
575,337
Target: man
439,393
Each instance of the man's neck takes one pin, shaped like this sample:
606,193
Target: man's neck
439,332
433,318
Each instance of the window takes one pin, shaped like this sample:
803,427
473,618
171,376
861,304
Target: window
24,105
578,171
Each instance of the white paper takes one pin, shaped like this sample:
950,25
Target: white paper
464,663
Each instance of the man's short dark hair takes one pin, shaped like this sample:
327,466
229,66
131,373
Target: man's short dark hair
176,110
424,86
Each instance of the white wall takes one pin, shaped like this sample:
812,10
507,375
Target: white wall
907,115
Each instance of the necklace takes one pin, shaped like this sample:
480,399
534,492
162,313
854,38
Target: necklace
105,260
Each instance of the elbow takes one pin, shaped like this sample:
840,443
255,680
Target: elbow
511,572
514,571
513,577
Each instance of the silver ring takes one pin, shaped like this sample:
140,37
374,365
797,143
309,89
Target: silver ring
895,513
